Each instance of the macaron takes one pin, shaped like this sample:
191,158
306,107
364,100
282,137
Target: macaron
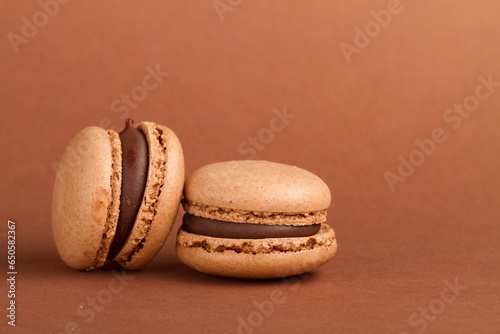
116,195
255,219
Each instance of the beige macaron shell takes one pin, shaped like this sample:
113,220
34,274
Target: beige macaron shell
215,255
163,193
264,186
86,196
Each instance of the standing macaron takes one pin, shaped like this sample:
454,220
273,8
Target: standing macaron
116,195
255,219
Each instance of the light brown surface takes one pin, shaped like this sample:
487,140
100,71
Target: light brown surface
256,186
253,217
86,198
396,250
256,258
162,197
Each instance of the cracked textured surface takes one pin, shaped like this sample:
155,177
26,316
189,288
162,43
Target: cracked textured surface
240,216
256,258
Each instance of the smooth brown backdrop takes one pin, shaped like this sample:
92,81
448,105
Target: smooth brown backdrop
353,120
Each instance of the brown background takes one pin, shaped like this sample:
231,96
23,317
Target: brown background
352,122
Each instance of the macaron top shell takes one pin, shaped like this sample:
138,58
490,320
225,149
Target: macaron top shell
161,197
261,187
85,204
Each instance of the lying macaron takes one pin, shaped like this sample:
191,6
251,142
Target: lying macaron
116,195
255,219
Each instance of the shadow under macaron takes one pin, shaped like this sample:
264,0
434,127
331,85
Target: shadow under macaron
174,270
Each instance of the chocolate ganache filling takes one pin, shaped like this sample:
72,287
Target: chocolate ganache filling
135,161
222,229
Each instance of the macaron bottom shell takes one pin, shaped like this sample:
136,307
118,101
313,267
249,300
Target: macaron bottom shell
256,258
86,198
